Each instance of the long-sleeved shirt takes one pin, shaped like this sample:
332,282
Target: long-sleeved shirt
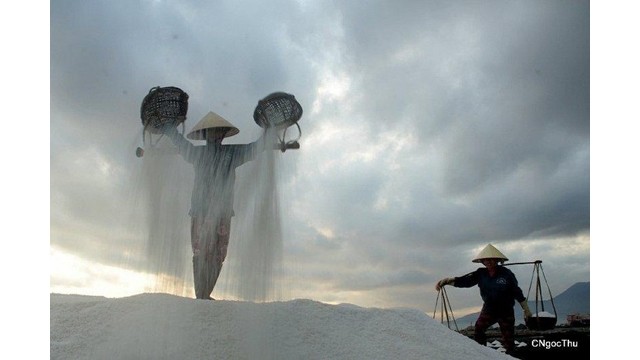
498,292
214,166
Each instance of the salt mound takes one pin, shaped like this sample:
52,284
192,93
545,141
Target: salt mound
544,314
160,326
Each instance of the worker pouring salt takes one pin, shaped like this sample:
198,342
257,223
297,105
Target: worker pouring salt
213,192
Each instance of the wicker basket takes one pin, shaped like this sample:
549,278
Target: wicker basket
163,105
541,322
278,110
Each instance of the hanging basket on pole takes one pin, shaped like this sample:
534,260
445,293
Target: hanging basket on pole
540,319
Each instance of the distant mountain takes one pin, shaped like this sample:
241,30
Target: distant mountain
573,300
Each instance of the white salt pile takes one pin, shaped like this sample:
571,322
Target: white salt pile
495,344
544,314
160,326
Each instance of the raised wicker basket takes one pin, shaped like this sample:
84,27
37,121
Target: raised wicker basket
278,110
163,105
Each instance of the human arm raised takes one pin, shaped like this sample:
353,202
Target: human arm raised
185,148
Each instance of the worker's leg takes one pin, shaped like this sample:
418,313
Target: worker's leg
223,232
198,280
482,324
203,244
216,253
507,328
195,247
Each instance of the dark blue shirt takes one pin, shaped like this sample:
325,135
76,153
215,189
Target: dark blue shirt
498,292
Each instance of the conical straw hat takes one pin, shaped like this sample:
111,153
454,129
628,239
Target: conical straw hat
209,121
490,252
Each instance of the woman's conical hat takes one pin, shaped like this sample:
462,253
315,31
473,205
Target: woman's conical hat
490,252
209,121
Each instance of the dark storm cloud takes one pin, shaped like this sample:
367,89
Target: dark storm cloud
498,94
118,53
503,88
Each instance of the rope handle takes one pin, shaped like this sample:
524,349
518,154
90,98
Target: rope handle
445,309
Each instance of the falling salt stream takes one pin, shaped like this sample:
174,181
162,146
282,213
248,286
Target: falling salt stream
163,195
258,246
160,223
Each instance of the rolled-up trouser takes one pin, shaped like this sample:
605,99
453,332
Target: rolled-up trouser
209,241
505,319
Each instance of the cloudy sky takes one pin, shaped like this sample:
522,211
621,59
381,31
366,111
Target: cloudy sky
430,129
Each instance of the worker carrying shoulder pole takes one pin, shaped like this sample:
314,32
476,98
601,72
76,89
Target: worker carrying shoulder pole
499,290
